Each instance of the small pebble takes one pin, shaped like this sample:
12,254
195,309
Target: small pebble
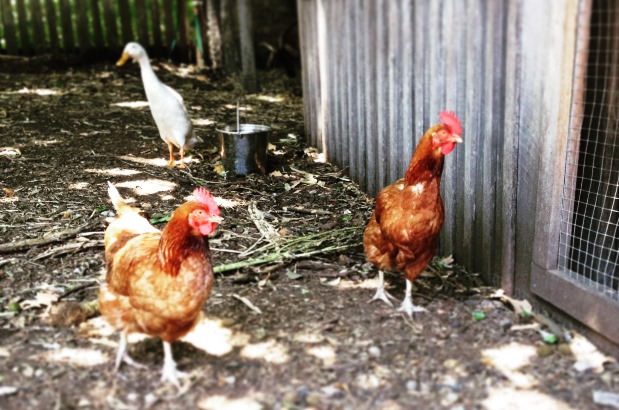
411,385
544,350
564,348
374,351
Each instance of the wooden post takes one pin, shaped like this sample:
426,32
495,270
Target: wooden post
96,24
213,34
24,35
37,24
68,39
50,11
110,22
8,22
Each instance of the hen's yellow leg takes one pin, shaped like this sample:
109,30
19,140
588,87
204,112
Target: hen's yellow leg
381,293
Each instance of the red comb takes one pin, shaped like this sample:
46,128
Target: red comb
204,197
451,122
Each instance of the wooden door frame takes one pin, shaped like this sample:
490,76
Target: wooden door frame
574,298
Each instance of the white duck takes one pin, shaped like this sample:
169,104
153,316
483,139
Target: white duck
166,105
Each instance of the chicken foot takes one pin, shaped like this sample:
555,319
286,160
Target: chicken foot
407,304
123,356
169,372
381,293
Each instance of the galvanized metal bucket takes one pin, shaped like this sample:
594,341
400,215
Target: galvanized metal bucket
244,152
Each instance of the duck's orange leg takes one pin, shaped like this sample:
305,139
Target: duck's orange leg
182,152
171,148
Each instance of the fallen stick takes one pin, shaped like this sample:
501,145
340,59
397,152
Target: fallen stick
307,211
68,248
43,240
247,303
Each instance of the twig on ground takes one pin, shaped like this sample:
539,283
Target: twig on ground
266,229
76,289
307,211
43,240
300,248
68,248
248,251
247,303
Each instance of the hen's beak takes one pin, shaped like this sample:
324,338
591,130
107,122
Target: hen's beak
215,218
123,59
457,138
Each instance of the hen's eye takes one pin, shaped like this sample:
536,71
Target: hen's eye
200,212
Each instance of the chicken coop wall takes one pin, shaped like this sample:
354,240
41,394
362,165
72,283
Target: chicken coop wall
376,74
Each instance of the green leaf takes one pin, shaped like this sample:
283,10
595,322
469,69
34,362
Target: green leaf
1,378
14,307
478,315
347,218
526,314
549,338
160,220
101,208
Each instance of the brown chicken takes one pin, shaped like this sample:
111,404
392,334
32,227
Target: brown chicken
158,281
403,230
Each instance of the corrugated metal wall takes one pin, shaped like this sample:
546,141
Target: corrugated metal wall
377,73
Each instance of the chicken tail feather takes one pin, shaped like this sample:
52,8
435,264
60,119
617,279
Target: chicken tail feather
119,203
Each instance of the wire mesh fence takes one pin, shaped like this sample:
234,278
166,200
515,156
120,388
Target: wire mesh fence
589,234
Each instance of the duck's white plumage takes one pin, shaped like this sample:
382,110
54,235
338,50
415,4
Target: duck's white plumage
166,105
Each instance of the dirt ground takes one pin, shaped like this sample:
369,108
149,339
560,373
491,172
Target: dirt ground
293,333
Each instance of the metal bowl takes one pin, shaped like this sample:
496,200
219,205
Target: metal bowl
244,152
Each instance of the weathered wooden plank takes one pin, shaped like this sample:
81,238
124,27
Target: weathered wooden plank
83,34
8,24
492,115
24,34
109,16
141,22
405,105
126,29
38,29
420,76
155,12
450,34
52,21
328,66
371,108
339,105
305,19
394,160
68,38
379,163
332,90
358,31
182,29
97,27
169,29
472,124
508,175
346,74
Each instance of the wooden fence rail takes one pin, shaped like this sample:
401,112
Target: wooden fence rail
96,28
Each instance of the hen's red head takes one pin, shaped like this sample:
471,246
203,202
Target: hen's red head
206,216
449,134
